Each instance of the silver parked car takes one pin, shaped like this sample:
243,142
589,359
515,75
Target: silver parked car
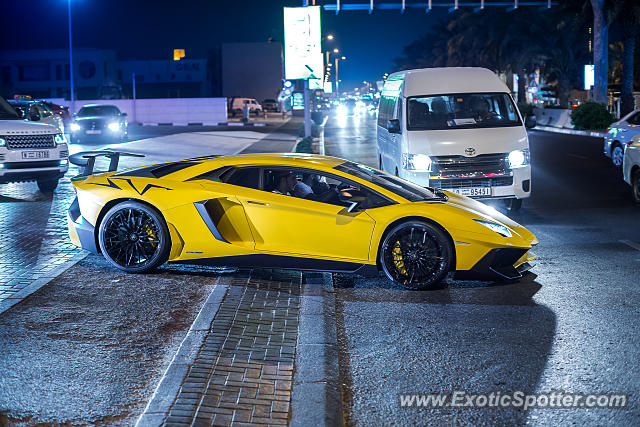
619,134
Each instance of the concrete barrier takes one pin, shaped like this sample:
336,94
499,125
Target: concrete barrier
554,117
165,111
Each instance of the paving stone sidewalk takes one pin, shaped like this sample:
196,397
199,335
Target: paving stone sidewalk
34,244
243,372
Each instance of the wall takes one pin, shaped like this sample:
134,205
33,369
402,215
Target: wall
556,117
175,111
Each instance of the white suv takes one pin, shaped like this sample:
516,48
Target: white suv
619,135
31,151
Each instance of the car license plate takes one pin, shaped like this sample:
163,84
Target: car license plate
472,192
93,131
35,155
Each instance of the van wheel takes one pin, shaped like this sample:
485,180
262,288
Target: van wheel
513,205
47,186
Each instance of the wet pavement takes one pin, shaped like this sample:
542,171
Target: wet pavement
570,326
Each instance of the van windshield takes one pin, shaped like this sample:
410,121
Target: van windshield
461,111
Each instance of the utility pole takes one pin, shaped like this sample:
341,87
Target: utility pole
307,100
73,98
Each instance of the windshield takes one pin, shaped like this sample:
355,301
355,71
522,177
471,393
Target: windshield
99,110
399,186
461,111
7,112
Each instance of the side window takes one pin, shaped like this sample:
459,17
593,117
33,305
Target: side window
399,110
317,187
46,111
243,177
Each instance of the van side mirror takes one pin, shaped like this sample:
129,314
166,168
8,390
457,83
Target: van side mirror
530,121
393,126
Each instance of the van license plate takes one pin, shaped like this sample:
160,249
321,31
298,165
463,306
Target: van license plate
472,192
31,155
93,131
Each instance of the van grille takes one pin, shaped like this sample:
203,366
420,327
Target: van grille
483,165
30,141
448,184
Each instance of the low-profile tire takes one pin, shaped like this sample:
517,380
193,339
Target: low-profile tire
134,237
47,186
617,155
416,254
635,187
513,205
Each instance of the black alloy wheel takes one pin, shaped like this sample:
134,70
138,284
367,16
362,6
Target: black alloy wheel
635,187
617,155
134,237
416,255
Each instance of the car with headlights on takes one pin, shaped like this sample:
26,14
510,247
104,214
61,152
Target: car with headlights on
619,134
631,167
36,111
99,121
30,151
290,210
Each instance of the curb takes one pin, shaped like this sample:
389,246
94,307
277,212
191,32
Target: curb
19,296
571,131
168,388
316,397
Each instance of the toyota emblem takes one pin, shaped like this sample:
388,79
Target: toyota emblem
470,151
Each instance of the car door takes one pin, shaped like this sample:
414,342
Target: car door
294,226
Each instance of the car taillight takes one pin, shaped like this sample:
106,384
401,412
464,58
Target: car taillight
608,129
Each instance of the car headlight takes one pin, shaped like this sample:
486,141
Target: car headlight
3,142
114,127
498,228
60,138
341,110
518,158
416,162
74,127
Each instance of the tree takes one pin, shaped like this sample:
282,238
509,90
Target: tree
626,14
600,51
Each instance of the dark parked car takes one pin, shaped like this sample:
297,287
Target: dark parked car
60,110
99,121
271,105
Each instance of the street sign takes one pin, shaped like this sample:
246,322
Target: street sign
315,84
589,76
298,101
328,87
302,50
178,54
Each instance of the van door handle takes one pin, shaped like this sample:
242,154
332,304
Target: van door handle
253,202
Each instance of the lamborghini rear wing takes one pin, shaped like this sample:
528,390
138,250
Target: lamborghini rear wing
87,159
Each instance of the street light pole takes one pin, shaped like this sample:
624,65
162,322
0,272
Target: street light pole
73,98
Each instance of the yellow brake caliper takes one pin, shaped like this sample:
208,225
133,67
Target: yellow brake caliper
397,259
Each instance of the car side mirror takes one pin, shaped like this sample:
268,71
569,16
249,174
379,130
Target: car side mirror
352,196
393,126
530,121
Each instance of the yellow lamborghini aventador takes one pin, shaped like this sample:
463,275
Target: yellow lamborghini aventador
295,211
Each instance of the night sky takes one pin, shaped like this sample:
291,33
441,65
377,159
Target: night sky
152,29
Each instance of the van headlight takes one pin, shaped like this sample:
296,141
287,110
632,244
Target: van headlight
518,158
3,142
60,138
416,162
493,226
114,127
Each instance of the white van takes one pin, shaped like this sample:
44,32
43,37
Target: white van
237,104
457,129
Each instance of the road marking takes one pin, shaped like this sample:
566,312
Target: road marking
629,243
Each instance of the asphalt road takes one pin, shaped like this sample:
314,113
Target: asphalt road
570,326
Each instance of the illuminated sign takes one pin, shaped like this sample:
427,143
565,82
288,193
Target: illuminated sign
178,54
328,87
315,84
302,50
298,101
589,76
